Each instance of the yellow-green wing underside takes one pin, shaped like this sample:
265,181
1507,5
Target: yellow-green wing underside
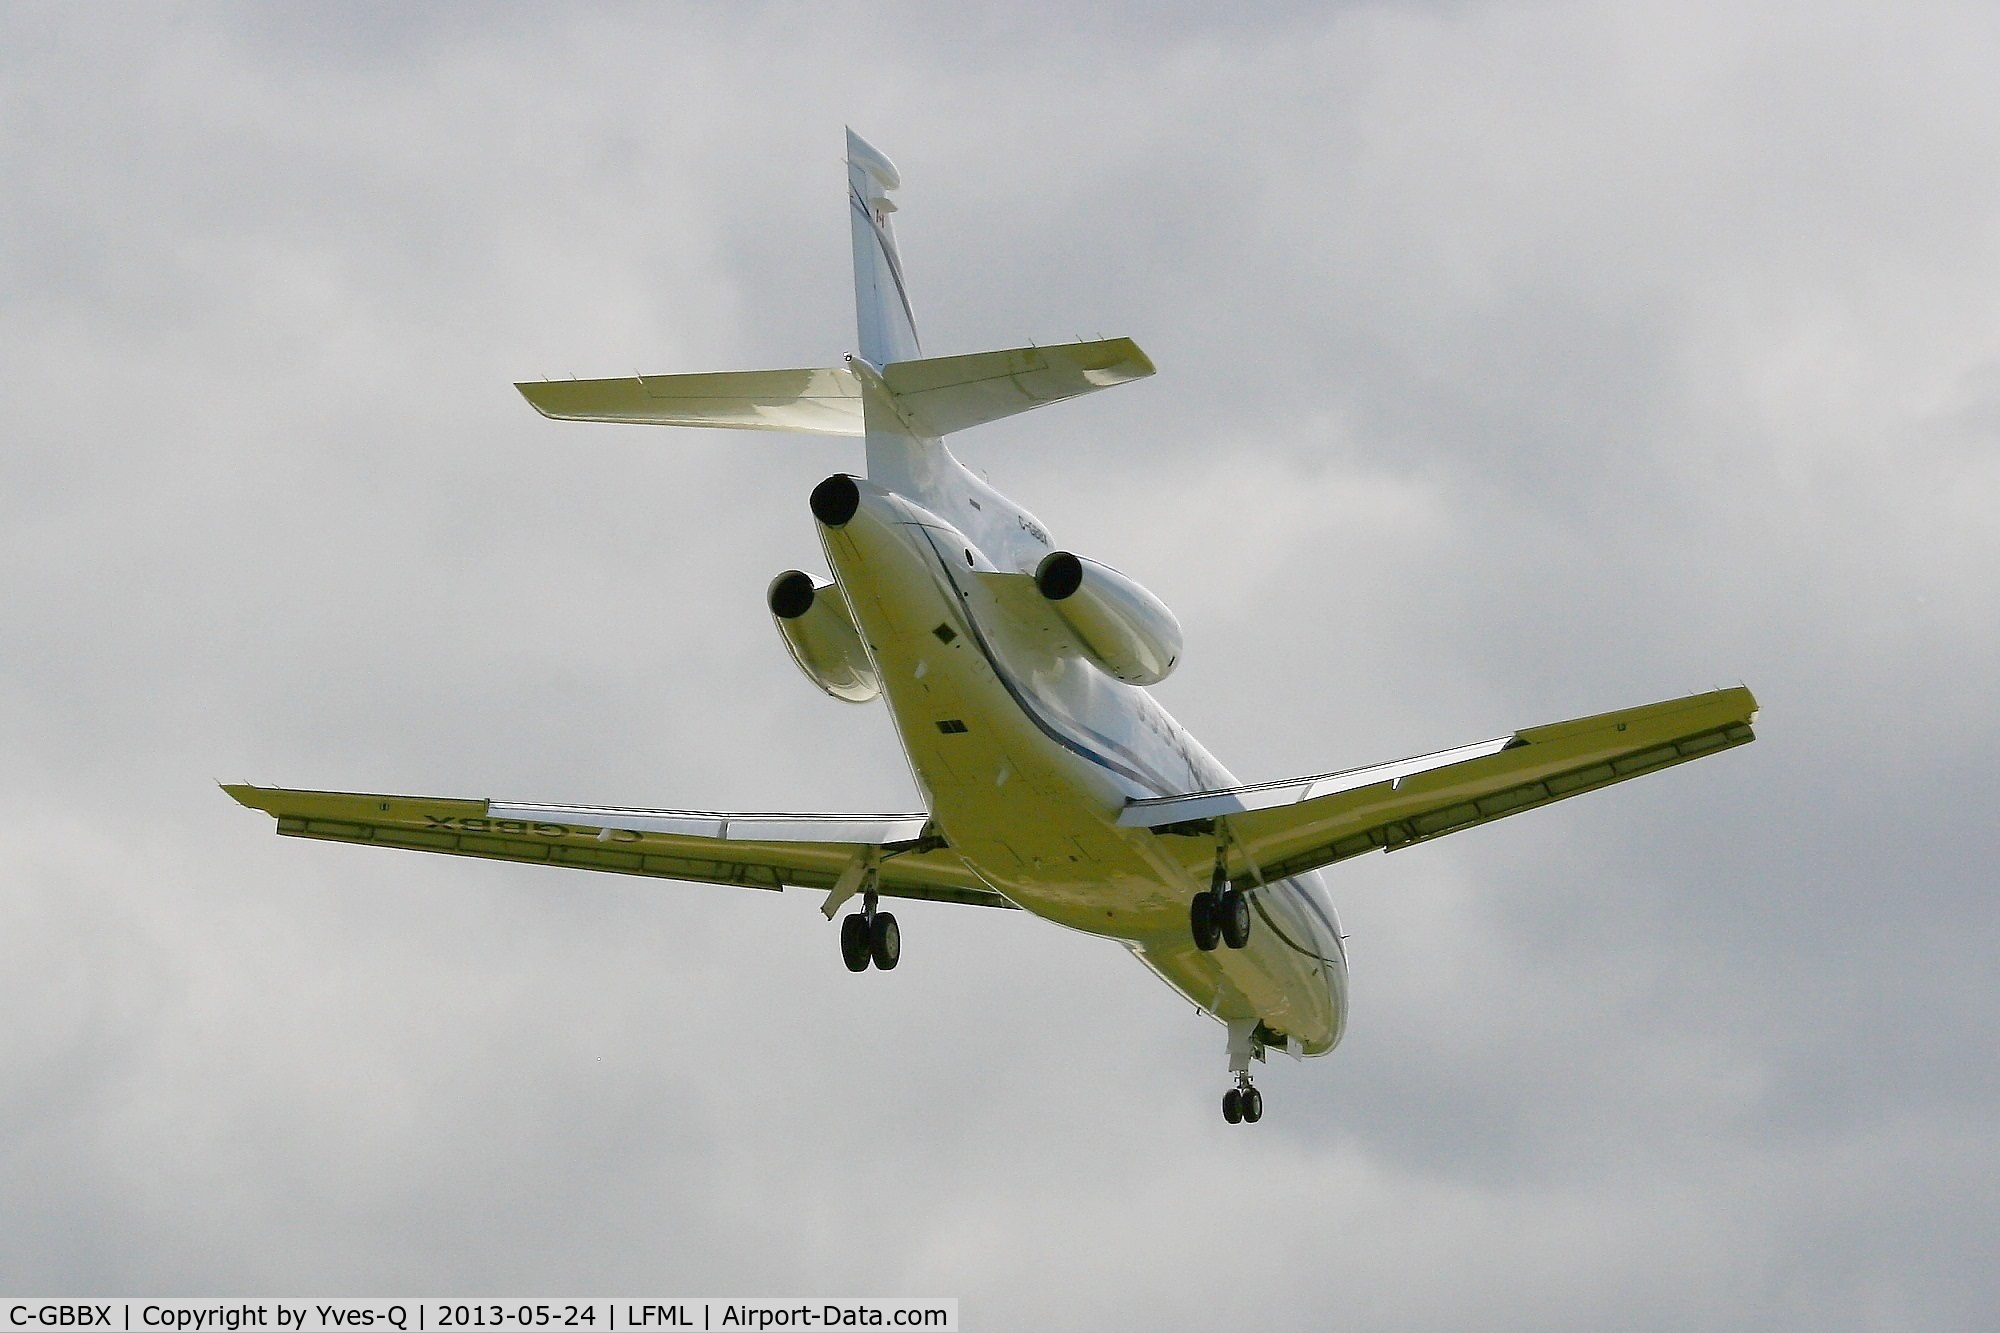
633,842
1286,828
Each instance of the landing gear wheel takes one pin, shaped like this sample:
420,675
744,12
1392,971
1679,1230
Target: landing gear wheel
1202,923
1253,1106
1232,915
1232,1106
885,942
854,942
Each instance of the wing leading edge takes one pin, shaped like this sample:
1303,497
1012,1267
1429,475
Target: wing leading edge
1287,828
749,851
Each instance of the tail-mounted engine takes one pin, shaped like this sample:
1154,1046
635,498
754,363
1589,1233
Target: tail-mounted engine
819,630
1124,629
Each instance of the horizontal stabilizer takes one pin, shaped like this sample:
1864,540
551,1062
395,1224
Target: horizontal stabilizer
939,395
817,402
953,393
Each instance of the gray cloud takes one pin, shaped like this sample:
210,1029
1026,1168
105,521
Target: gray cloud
1516,362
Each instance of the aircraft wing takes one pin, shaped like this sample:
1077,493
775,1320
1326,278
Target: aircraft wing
750,851
1287,828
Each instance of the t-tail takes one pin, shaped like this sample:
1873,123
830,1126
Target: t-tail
903,403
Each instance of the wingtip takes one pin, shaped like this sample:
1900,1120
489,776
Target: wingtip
526,389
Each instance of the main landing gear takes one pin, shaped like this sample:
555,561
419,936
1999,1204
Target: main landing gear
869,936
1220,914
1243,1103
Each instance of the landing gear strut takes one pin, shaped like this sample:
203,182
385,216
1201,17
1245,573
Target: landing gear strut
1243,1103
869,936
1221,914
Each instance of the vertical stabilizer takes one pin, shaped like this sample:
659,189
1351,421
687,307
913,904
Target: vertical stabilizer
902,455
881,300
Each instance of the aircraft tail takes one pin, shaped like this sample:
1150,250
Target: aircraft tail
887,325
900,401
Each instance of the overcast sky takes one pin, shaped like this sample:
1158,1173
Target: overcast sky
1517,361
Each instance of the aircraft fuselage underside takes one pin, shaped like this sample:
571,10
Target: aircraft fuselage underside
992,722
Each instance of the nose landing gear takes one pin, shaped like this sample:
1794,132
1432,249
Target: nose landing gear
1243,1103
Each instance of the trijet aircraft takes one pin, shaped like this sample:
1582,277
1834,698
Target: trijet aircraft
1015,673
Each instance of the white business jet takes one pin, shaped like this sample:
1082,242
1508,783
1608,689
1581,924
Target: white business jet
1015,672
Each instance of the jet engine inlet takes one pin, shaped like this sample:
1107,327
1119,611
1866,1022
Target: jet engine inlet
835,500
819,632
1059,575
1124,630
791,594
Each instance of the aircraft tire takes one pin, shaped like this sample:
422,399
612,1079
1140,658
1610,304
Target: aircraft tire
885,941
1202,923
1232,1106
1253,1106
854,942
1233,918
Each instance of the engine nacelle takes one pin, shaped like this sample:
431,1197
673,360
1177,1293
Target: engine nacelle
1124,629
820,633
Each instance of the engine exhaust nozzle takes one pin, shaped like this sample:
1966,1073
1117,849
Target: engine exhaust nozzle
835,500
791,594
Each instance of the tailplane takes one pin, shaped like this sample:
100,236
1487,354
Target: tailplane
902,402
929,399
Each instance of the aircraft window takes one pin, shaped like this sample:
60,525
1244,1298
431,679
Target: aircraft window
951,726
945,633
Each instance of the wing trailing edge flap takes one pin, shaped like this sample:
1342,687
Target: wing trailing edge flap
938,394
1287,828
757,851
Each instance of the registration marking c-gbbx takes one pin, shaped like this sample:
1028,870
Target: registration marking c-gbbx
520,828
